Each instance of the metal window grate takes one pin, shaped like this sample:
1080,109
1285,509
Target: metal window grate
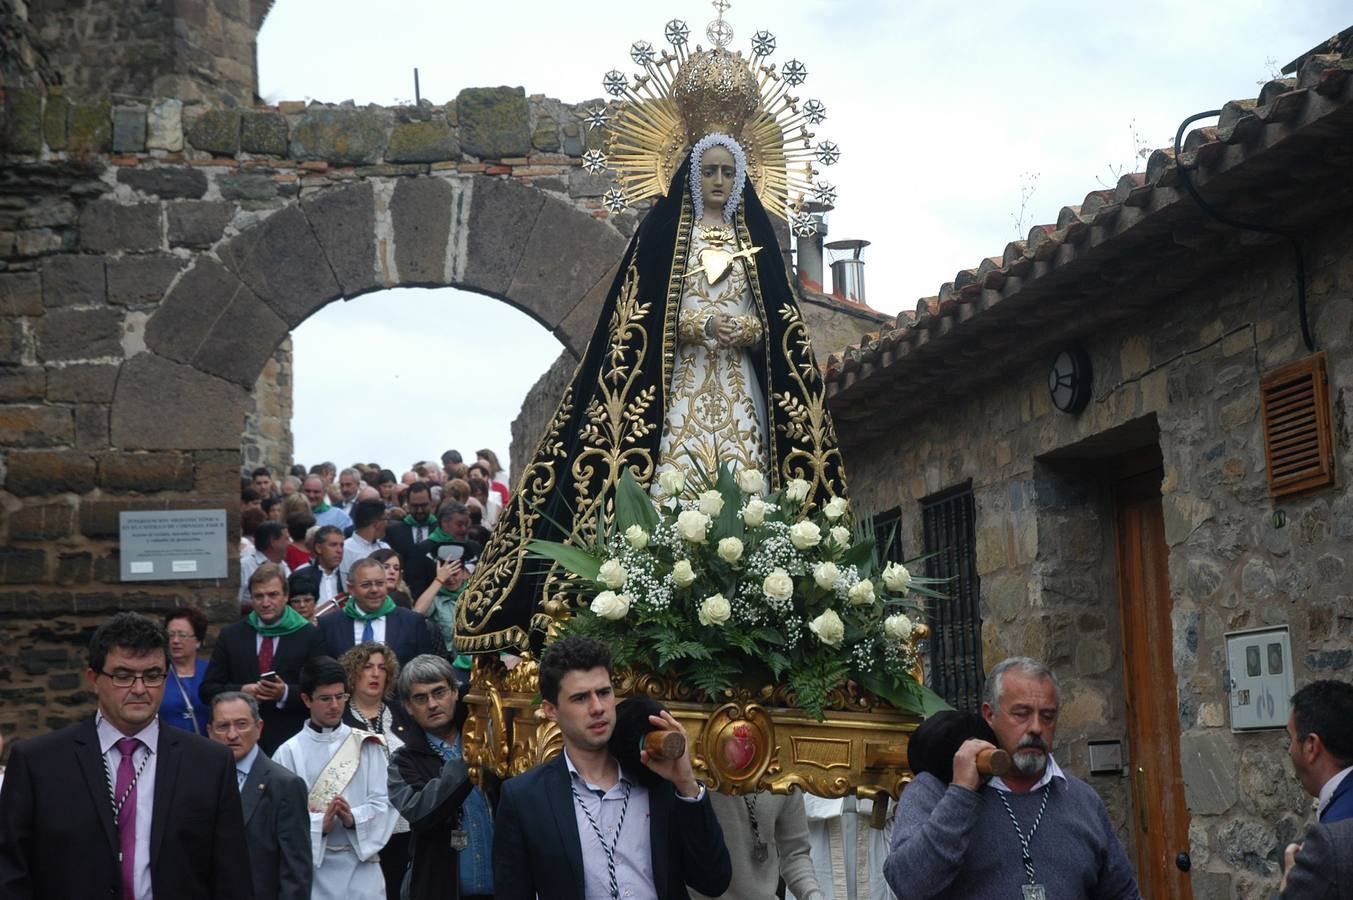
956,623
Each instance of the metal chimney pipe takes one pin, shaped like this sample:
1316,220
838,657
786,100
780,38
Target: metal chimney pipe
810,272
848,272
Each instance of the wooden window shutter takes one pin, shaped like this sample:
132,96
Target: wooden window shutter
1298,438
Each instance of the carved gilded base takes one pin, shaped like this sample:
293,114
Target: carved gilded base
746,744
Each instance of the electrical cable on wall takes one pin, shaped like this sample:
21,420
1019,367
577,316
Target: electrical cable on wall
1246,226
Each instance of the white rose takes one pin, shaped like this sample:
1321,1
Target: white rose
714,610
804,535
672,481
778,585
898,627
836,508
754,513
797,490
636,537
692,525
612,574
862,593
840,535
711,503
896,578
829,628
683,574
610,605
750,481
730,549
826,575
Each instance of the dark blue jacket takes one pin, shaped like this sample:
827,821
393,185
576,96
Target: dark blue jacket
1340,806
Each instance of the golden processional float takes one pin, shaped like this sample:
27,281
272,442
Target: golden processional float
816,681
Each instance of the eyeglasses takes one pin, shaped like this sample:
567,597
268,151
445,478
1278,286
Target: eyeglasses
185,635
152,678
331,698
439,694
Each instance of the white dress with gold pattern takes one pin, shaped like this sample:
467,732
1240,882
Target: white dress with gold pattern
716,410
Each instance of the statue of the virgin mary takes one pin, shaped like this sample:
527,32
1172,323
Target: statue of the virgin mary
700,357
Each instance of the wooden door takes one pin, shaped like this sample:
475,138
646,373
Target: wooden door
1160,818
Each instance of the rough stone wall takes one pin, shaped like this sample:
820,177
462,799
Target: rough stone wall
267,437
1045,531
190,49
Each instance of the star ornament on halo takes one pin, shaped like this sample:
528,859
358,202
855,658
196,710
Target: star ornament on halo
824,192
763,43
676,33
803,225
594,161
815,112
795,73
615,82
597,117
615,200
828,153
641,52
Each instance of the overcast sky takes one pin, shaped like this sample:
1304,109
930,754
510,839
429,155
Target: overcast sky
947,114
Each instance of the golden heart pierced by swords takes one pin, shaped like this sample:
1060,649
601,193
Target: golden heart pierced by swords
715,262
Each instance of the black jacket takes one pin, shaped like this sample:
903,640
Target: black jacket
537,851
428,793
406,632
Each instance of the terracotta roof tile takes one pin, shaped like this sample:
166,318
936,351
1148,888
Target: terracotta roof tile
1083,234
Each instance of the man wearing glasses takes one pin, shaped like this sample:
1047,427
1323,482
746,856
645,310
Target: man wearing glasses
127,810
371,615
351,818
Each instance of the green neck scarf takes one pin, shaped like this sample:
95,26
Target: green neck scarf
353,611
441,537
321,509
290,621
430,520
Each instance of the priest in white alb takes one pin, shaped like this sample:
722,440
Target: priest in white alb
351,818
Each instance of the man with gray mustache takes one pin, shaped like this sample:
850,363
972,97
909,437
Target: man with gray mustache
1035,833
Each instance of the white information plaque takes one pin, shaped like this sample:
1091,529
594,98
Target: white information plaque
173,544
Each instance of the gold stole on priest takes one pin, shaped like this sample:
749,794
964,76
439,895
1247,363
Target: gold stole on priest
338,772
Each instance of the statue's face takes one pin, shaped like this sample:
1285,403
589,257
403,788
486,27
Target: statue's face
717,169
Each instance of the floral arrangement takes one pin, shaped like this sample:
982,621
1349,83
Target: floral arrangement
725,585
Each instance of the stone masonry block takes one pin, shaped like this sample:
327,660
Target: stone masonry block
197,223
20,294
99,518
141,280
281,261
45,522
23,121
73,280
91,426
201,412
12,342
264,132
129,129
178,328
107,226
35,426
421,209
1208,762
259,187
166,182
216,131
54,121
90,128
567,253
22,384
343,137
146,472
22,566
343,222
502,214
164,125
216,471
34,473
422,142
241,340
65,334
494,122
82,383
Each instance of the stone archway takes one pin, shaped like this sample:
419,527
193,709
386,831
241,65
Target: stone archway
223,317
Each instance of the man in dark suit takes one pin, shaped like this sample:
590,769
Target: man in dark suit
276,811
1321,867
406,534
453,526
1320,744
371,615
273,638
580,826
118,806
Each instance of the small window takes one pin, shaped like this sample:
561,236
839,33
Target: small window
1298,439
956,672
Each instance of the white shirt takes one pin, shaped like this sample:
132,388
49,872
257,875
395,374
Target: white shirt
329,582
1329,788
358,547
377,630
249,565
145,788
1051,771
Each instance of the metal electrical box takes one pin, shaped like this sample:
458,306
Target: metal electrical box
1259,663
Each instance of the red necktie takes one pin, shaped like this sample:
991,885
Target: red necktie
125,792
265,654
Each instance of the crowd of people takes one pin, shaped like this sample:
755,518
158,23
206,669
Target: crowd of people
338,694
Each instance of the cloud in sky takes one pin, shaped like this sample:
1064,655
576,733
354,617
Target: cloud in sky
939,107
